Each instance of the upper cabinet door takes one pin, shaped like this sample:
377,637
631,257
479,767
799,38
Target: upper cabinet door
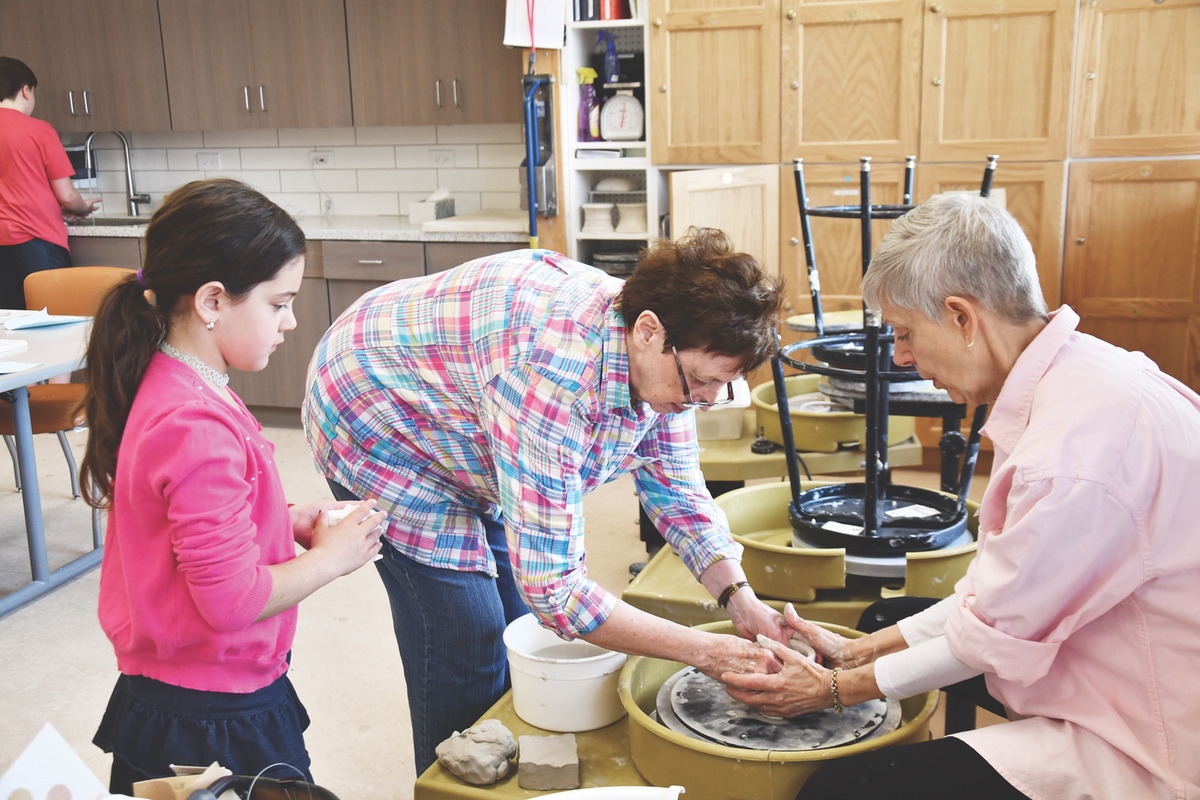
300,59
851,80
82,85
996,79
1137,86
714,78
413,62
266,64
393,61
126,89
209,52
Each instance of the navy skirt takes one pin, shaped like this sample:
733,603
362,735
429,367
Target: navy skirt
150,725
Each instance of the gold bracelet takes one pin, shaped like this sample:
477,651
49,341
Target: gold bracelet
838,708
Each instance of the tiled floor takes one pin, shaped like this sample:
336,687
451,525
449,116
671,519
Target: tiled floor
56,665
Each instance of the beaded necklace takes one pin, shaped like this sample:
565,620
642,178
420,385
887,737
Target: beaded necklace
218,379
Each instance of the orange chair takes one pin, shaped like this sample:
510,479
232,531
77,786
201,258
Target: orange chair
52,406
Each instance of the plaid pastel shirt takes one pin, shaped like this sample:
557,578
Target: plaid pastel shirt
501,387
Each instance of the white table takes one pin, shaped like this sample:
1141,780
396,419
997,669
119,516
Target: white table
57,349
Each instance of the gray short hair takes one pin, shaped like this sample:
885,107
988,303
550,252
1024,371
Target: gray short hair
957,243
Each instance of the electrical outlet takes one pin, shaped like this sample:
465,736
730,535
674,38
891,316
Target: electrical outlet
208,161
321,159
441,157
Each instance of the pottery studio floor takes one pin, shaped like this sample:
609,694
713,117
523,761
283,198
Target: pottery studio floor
56,665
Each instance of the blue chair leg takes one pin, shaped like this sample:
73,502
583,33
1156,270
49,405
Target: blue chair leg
12,452
74,470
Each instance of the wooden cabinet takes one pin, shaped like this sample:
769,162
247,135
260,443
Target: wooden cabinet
714,78
266,64
742,201
83,85
355,268
996,79
441,256
1132,263
1035,193
413,62
1137,87
851,80
97,251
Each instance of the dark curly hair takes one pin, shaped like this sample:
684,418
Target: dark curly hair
708,296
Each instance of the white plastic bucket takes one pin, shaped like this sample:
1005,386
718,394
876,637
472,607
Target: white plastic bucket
559,685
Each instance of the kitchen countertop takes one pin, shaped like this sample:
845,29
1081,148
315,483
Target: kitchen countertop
506,225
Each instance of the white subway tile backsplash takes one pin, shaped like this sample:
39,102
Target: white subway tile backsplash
266,137
164,139
500,155
319,180
299,204
316,137
372,204
479,134
380,157
413,134
480,180
376,171
397,180
276,158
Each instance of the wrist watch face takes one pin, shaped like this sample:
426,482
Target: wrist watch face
622,119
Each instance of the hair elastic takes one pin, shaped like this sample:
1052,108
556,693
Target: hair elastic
141,282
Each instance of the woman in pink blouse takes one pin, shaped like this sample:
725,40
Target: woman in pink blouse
1079,610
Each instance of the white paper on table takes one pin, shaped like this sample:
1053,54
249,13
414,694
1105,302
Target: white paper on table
41,319
12,345
49,762
16,366
549,23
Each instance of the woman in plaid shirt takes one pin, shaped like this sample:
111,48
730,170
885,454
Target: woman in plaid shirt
481,404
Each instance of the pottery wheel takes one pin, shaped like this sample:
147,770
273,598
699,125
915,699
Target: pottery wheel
692,703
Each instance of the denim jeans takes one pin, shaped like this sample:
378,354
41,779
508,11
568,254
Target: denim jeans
448,626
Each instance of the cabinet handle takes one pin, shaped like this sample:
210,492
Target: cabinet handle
262,100
936,7
87,112
454,85
71,102
437,92
662,88
793,241
1091,76
658,23
791,14
936,81
795,84
370,262
1079,240
246,96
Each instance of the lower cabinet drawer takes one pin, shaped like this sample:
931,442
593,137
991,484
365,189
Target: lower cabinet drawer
373,261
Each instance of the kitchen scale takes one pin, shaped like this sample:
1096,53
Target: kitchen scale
622,118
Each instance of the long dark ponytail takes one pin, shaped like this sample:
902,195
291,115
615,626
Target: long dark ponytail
213,230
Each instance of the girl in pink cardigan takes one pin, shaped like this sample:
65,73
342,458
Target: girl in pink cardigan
200,577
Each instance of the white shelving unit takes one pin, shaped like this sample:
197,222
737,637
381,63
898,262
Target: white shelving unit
583,173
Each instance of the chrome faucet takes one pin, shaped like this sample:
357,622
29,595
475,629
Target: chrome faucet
134,197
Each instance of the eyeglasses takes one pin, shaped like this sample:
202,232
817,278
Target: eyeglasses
687,392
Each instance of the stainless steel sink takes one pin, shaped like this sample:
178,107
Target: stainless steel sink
110,221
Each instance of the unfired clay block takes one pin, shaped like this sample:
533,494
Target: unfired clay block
548,762
480,754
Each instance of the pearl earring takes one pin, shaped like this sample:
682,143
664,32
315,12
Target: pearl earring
212,324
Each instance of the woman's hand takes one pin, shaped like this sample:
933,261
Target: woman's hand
834,650
752,617
727,655
799,687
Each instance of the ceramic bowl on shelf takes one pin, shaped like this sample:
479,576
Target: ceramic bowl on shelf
597,218
631,217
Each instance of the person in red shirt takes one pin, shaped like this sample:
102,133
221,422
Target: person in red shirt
35,187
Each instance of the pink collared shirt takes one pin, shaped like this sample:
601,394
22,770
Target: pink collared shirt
1082,607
